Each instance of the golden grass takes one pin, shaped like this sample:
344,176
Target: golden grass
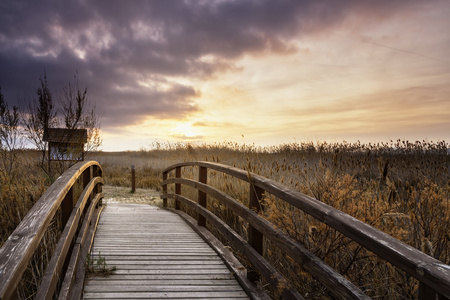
399,187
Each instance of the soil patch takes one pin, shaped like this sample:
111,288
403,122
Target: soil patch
115,194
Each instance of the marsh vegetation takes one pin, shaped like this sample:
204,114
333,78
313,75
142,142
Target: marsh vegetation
401,188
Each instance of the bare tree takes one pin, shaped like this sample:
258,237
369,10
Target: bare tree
78,113
39,117
71,110
10,135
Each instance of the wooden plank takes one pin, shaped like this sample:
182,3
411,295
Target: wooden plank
211,272
111,252
168,263
165,260
101,281
162,282
158,257
132,277
126,245
218,266
167,295
165,288
169,277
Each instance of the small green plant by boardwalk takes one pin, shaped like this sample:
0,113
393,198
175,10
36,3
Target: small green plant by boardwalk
98,267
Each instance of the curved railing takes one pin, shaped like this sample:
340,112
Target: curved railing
433,275
76,236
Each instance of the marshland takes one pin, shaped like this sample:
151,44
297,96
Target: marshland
399,187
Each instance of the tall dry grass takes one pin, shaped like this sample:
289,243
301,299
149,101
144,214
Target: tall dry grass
20,188
399,187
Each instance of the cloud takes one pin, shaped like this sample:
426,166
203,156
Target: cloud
128,54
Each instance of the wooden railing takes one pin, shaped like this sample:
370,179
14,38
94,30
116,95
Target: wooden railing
78,218
433,275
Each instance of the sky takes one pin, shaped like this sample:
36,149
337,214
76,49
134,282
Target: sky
246,71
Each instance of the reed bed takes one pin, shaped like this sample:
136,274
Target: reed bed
399,187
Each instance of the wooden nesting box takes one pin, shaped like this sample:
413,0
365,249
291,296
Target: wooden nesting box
65,144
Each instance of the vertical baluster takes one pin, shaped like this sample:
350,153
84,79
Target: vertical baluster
164,189
177,186
203,178
255,237
66,207
86,180
426,293
133,179
97,172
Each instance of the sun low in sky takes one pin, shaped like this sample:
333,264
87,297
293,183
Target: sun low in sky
213,71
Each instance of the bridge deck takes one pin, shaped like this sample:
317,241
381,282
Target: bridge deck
157,255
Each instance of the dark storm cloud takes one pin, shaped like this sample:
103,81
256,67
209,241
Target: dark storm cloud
114,45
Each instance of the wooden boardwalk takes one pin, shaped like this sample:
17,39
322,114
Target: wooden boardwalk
158,256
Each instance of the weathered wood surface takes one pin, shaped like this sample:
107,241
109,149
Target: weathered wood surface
157,255
72,285
54,268
253,290
21,245
431,272
336,283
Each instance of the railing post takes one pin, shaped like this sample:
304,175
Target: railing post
133,179
255,237
97,172
66,207
203,178
177,187
425,292
86,177
165,189
86,180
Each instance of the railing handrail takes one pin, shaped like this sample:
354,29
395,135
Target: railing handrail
19,248
428,270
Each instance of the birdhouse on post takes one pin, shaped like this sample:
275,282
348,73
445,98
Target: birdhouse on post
65,144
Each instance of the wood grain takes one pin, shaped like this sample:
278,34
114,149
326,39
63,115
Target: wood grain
157,255
429,271
21,245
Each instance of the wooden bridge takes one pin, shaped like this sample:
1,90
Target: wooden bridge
165,253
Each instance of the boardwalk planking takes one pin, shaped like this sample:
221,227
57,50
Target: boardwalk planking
157,255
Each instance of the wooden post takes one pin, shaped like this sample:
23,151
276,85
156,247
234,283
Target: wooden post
86,180
86,177
425,292
177,186
97,172
66,207
165,190
133,179
49,157
203,178
255,238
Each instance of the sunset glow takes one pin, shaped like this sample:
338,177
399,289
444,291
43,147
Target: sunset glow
273,71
